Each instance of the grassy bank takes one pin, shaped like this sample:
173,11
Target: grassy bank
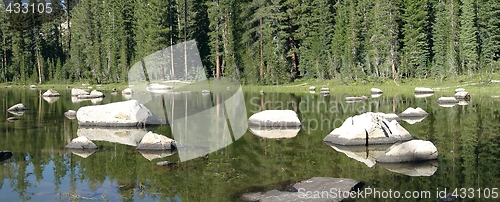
474,85
479,84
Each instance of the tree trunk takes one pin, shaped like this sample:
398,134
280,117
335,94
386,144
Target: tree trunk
185,40
294,58
217,53
261,71
172,76
4,56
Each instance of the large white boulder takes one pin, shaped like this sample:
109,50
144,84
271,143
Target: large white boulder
368,129
81,142
413,112
411,151
275,118
126,113
153,141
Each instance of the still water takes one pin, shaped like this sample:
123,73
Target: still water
467,138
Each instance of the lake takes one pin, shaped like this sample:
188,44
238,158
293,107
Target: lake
467,138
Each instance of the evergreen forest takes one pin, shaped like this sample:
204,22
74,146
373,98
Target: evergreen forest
268,42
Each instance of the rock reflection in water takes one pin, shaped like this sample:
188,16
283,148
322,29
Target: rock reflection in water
275,133
126,136
151,155
51,99
366,155
93,100
425,168
84,153
413,120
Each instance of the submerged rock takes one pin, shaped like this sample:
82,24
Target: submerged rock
118,114
153,141
17,107
127,91
205,92
93,94
77,92
159,88
275,118
51,93
356,99
413,112
4,155
420,90
309,190
324,90
462,95
81,142
411,151
70,114
447,100
423,95
165,163
376,91
368,129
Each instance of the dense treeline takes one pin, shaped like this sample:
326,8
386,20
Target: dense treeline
258,41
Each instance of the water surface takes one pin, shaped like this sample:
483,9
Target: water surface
42,170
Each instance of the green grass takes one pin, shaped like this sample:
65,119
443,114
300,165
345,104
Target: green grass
477,84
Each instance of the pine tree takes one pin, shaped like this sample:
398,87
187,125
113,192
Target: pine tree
314,32
489,18
347,40
382,40
445,30
468,38
416,50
